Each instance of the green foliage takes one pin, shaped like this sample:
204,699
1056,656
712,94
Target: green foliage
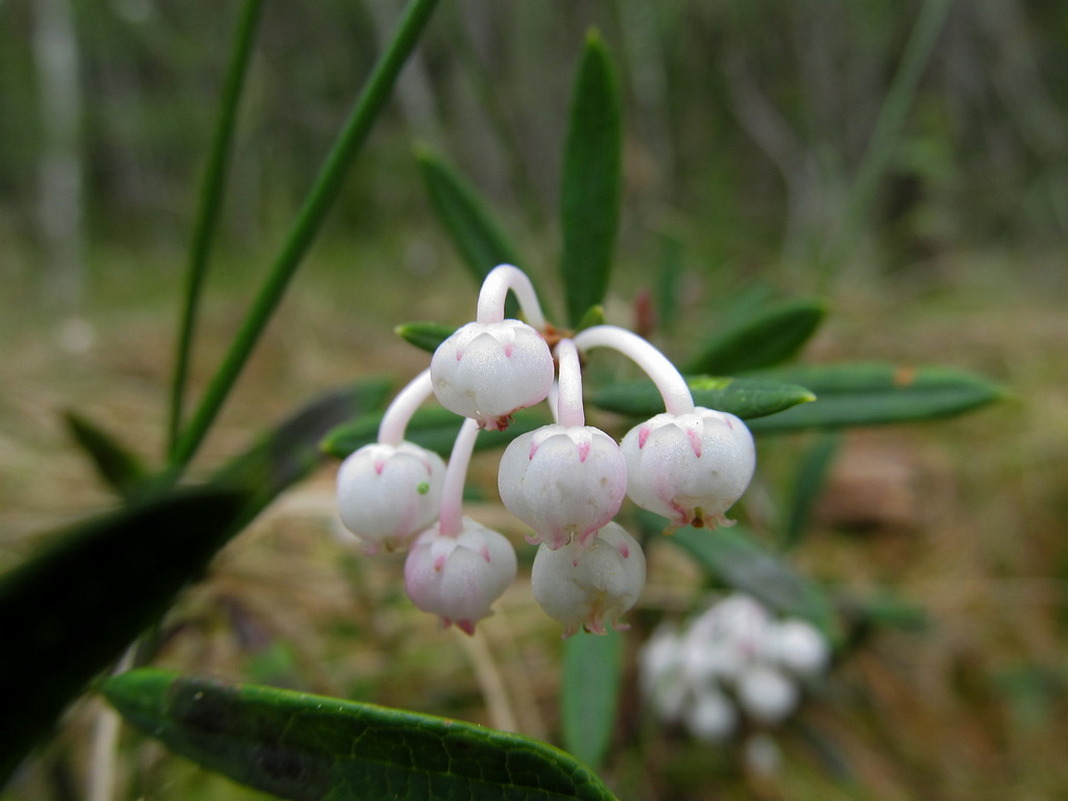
478,237
590,191
769,337
119,469
870,393
424,335
75,607
748,398
589,693
735,560
300,747
811,474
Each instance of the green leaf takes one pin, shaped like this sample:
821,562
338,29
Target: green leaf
736,559
426,336
432,428
589,701
747,398
120,469
291,451
859,394
808,484
773,336
478,237
304,747
590,190
70,611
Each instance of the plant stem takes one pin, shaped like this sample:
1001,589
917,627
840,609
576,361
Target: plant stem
495,289
395,421
211,192
318,203
450,520
568,400
672,386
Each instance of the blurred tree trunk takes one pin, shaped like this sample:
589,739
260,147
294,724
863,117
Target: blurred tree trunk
59,178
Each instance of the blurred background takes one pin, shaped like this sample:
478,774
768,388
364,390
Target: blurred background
905,161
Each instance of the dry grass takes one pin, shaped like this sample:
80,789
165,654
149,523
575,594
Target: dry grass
962,518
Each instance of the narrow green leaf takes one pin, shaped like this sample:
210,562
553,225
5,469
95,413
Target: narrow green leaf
808,484
432,428
593,316
478,237
120,469
773,336
291,451
747,398
860,394
736,559
320,199
426,336
589,701
71,610
210,203
304,747
590,189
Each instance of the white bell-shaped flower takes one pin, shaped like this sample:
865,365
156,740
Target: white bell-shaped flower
798,646
459,577
563,481
691,467
710,715
767,694
487,371
590,586
386,494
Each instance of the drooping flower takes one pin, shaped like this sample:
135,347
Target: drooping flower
690,468
459,577
387,494
590,587
563,481
488,371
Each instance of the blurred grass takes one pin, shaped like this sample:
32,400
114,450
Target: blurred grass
964,518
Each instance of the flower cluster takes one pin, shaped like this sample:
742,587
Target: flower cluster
565,480
734,659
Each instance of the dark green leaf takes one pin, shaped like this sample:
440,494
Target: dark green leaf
747,398
770,337
590,190
306,747
735,558
808,484
478,238
589,699
870,394
426,336
432,428
118,467
69,612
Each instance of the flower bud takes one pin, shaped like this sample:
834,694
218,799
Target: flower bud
459,577
797,646
711,716
590,586
767,694
563,481
487,371
387,494
691,467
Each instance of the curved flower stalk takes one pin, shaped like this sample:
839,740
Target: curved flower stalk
457,568
390,490
566,479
